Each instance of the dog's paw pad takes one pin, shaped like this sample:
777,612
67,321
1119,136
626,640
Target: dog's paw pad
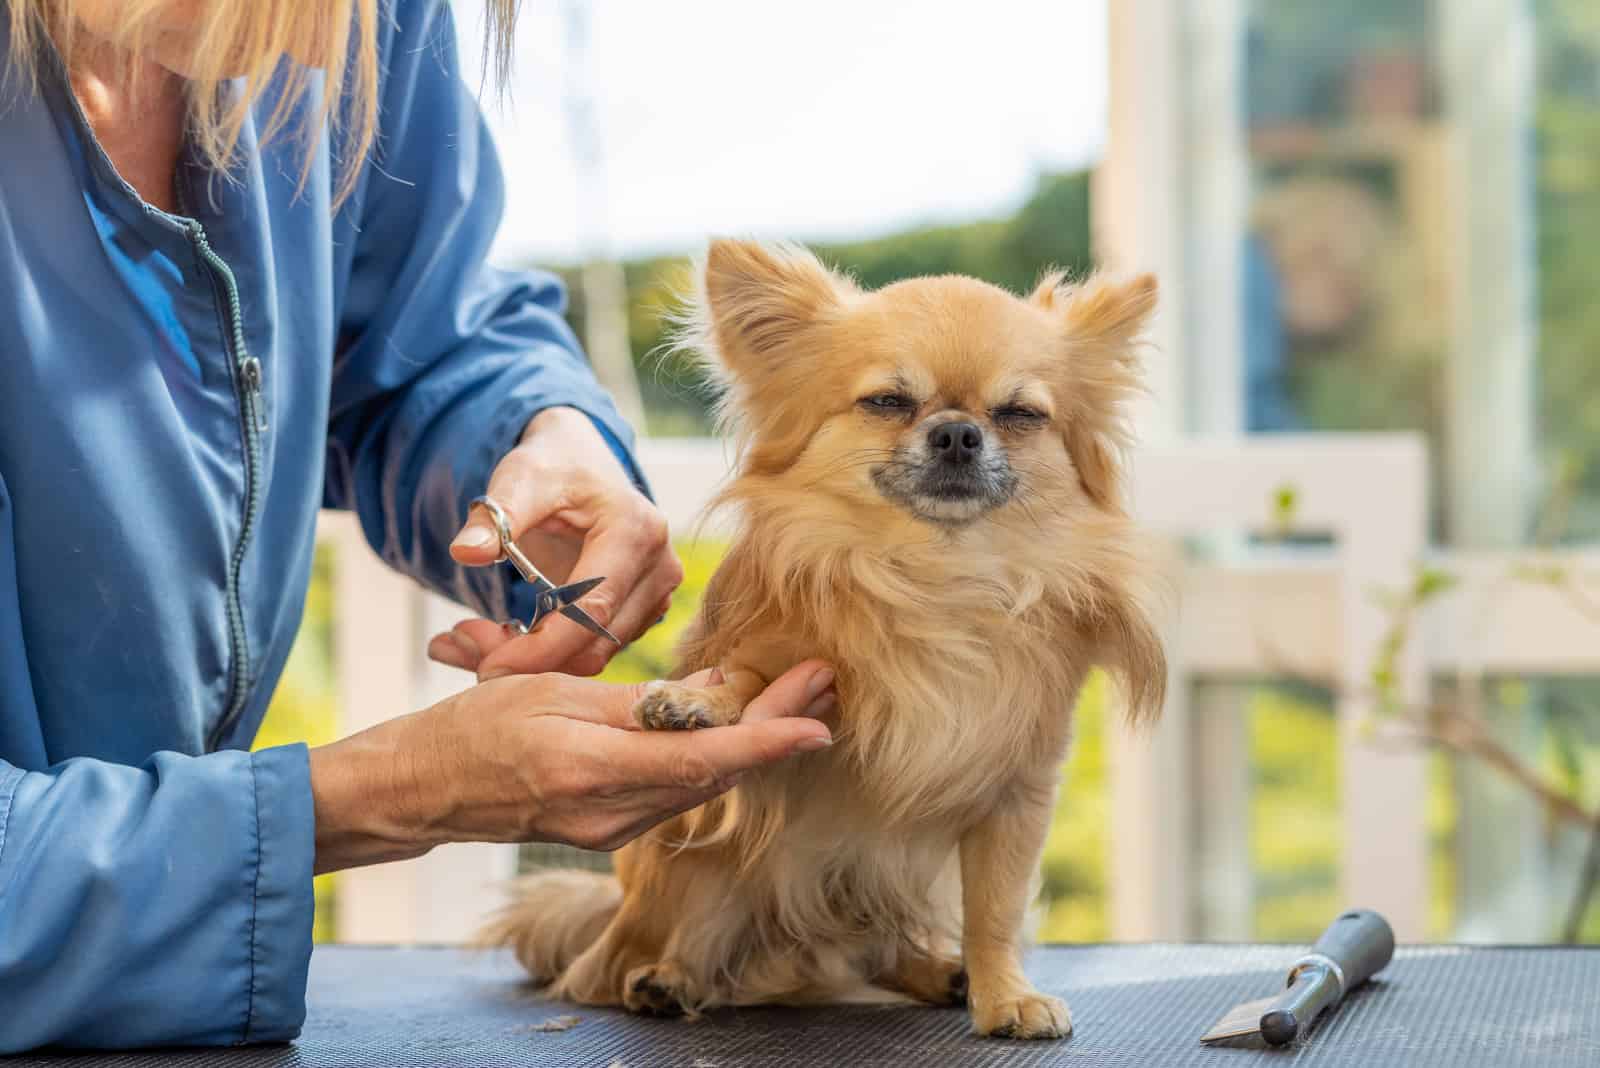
654,990
957,994
665,707
1030,1016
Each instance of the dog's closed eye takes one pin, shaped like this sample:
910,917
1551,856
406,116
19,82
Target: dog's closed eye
891,404
1018,417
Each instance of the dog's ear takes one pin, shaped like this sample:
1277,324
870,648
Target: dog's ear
1101,321
758,299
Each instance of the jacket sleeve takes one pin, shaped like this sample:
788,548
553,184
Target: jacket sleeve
168,904
443,359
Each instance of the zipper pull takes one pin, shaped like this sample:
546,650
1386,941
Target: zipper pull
250,370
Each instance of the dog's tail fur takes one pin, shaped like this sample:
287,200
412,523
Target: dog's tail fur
555,916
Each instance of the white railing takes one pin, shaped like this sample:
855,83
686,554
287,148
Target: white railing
1237,614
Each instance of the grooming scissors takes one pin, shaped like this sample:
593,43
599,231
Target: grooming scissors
549,598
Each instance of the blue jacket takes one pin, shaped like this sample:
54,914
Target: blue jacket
179,395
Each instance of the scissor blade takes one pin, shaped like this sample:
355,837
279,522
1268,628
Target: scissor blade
566,595
588,622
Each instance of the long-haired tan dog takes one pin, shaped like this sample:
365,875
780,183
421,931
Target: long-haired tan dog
929,488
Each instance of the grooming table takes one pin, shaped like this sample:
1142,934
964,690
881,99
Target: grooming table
1141,1006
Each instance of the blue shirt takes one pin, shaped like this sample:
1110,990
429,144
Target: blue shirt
179,395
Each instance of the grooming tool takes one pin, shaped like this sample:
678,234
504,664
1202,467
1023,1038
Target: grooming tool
1353,949
549,598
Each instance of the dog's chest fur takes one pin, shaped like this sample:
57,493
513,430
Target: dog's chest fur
937,732
951,686
955,686
928,744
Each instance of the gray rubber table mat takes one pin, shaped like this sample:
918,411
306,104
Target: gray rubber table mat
1143,1005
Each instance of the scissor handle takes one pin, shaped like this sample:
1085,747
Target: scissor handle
502,522
508,544
549,600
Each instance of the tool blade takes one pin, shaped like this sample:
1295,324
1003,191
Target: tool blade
565,595
1241,1021
588,622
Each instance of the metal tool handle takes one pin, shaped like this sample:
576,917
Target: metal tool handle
1359,943
1353,949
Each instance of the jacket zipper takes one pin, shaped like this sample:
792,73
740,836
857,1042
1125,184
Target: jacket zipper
248,381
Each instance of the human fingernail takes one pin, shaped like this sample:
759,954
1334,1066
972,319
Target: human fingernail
445,651
811,745
473,537
818,683
821,706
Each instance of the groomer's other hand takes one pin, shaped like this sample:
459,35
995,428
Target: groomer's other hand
576,513
544,758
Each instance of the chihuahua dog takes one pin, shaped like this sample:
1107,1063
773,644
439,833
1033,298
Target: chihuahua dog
929,494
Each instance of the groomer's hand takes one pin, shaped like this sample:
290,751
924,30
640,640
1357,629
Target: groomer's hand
576,513
543,758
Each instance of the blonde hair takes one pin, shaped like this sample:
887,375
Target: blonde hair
250,39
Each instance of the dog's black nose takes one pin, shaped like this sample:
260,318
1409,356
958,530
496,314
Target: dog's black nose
956,443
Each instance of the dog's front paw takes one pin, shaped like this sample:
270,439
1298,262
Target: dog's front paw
657,990
670,706
1028,1015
